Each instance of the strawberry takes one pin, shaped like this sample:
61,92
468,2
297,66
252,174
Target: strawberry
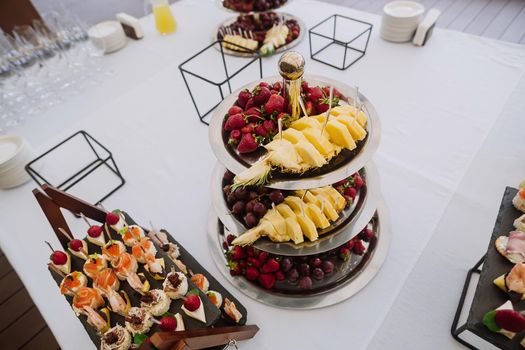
254,262
264,84
261,131
233,122
234,110
250,104
340,183
270,266
304,86
237,253
253,114
279,276
315,93
270,126
248,129
261,95
322,107
277,86
243,98
168,323
263,256
367,234
252,273
275,103
230,238
235,135
350,245
250,250
192,302
350,192
235,269
358,181
310,107
247,144
344,253
266,280
94,231
359,248
510,320
112,218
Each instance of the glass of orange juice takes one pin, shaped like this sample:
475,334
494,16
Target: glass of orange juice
164,20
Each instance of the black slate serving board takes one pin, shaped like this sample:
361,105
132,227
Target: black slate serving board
213,314
487,296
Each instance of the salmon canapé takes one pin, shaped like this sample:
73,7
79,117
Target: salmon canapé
106,280
72,282
125,265
143,249
113,249
86,296
132,235
94,265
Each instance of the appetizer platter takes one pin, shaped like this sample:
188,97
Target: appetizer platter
247,6
267,33
242,210
244,127
496,314
127,284
297,219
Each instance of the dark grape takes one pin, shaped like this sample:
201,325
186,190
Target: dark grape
252,195
305,283
262,190
267,203
251,220
318,273
231,199
259,209
228,176
316,262
238,208
292,275
327,266
305,269
226,189
241,194
249,206
286,264
276,196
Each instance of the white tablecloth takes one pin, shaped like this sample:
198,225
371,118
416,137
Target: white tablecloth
451,114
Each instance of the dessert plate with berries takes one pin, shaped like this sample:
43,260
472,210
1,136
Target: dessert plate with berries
308,281
251,6
266,33
311,151
243,209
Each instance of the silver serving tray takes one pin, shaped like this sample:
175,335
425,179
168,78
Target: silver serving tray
220,4
350,223
283,48
237,163
362,274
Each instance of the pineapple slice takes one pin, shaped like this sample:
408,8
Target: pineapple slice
334,197
309,197
279,224
317,216
340,135
293,135
283,154
265,228
294,230
327,207
320,142
308,227
296,204
309,154
356,130
285,211
306,122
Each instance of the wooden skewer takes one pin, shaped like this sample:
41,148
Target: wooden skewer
301,104
65,233
329,108
53,267
85,219
280,126
107,231
304,194
356,96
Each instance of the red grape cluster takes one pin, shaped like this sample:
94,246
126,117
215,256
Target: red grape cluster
304,271
252,5
249,204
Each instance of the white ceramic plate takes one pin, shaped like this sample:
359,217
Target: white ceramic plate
403,9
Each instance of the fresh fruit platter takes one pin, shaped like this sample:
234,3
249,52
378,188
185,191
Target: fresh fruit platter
311,151
125,283
297,219
496,314
267,33
246,6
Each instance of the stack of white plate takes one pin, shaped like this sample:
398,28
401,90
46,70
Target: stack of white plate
400,20
109,36
15,153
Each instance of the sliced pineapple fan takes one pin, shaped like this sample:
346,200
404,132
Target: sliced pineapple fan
299,215
305,145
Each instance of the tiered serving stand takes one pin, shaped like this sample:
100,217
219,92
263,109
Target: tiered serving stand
367,209
285,17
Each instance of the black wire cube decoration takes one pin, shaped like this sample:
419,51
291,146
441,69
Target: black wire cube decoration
339,41
80,165
210,75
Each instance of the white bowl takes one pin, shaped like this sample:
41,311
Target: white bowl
403,9
108,35
11,146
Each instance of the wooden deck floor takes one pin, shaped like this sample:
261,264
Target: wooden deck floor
497,19
21,325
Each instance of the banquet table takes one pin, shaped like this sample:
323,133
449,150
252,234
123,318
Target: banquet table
452,139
